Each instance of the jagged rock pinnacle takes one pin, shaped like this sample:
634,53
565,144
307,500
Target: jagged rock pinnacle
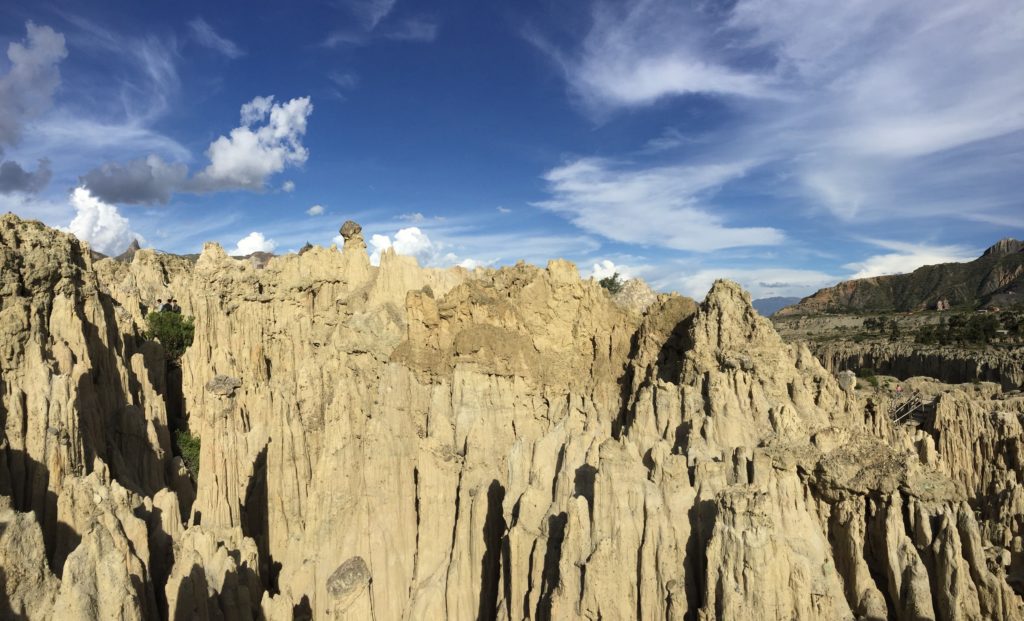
1003,247
129,253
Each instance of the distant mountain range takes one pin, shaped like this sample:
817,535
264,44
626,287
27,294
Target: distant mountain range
995,279
768,306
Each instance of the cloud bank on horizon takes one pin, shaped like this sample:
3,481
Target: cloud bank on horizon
784,144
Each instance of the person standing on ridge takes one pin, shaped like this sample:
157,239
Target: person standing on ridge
174,307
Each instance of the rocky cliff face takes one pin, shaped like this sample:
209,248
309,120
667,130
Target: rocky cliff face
85,448
994,278
904,360
401,443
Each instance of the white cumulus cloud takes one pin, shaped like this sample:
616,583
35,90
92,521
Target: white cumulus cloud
100,224
256,110
253,242
408,241
315,210
268,141
251,153
605,268
413,242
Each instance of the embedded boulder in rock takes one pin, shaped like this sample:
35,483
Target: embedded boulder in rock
347,586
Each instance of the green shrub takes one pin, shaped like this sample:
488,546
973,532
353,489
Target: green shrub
188,448
977,329
174,332
612,283
868,375
873,324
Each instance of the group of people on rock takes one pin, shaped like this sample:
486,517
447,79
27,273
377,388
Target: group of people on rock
170,306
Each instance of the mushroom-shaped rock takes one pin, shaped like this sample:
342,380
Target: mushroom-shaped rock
352,233
350,229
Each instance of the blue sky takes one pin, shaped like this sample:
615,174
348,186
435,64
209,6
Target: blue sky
787,144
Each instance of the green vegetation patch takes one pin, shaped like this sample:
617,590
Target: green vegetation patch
188,448
174,332
868,375
974,329
612,283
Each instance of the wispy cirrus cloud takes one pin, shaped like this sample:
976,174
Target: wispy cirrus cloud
97,117
204,34
602,197
81,141
372,23
343,80
760,282
637,53
415,29
412,30
866,108
906,257
369,12
146,81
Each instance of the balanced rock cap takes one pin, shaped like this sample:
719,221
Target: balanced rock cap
350,229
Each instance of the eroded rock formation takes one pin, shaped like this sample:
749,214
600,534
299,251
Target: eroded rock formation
948,364
393,442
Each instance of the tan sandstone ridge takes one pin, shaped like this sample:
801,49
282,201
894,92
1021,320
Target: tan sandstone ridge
394,442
